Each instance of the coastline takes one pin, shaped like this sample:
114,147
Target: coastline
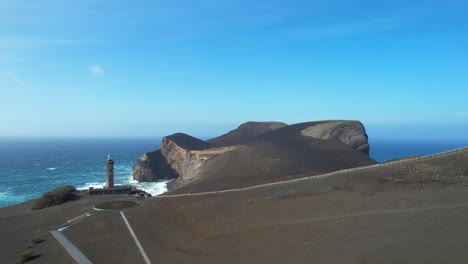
43,167
343,209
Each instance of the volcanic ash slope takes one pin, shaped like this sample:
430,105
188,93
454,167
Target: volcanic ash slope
274,153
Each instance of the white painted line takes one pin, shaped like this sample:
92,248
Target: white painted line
142,251
72,250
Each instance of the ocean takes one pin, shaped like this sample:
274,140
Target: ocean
30,167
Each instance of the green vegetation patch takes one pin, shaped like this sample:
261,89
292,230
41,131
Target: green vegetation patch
27,255
57,196
37,240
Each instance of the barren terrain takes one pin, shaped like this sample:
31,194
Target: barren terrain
409,211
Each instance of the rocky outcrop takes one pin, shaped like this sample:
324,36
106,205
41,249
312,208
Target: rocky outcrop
180,157
152,166
350,133
255,153
294,151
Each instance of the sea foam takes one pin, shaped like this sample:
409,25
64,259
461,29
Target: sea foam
91,184
153,188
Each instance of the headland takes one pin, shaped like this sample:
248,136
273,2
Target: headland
410,210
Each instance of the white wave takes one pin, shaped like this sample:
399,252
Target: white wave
131,180
153,188
91,184
51,169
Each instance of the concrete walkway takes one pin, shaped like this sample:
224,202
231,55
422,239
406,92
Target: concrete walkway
142,251
76,254
72,250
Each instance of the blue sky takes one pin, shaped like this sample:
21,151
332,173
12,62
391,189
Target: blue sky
151,68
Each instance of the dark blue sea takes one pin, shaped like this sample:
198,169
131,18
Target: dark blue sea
30,167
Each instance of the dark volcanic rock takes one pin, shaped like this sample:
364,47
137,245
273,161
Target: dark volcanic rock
245,132
350,133
152,166
257,153
290,152
174,159
187,142
177,157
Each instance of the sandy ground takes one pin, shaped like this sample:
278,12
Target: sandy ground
414,212
19,225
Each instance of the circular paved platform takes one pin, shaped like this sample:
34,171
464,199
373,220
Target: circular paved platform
115,205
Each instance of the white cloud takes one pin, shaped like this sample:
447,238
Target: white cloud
96,70
17,79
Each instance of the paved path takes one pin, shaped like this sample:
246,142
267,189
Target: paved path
73,221
142,251
379,165
72,250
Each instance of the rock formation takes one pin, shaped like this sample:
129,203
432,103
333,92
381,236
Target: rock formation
174,159
177,156
350,133
152,166
256,153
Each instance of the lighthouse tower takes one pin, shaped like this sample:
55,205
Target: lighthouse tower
109,172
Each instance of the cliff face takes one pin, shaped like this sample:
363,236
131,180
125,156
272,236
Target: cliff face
180,157
350,133
294,151
152,166
183,161
256,153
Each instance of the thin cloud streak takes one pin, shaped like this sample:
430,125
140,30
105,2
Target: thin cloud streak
96,70
16,79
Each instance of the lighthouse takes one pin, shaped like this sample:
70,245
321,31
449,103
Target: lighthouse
109,172
110,188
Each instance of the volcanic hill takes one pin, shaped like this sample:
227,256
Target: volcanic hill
245,132
256,153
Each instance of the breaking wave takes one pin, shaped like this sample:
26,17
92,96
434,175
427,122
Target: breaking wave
153,188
